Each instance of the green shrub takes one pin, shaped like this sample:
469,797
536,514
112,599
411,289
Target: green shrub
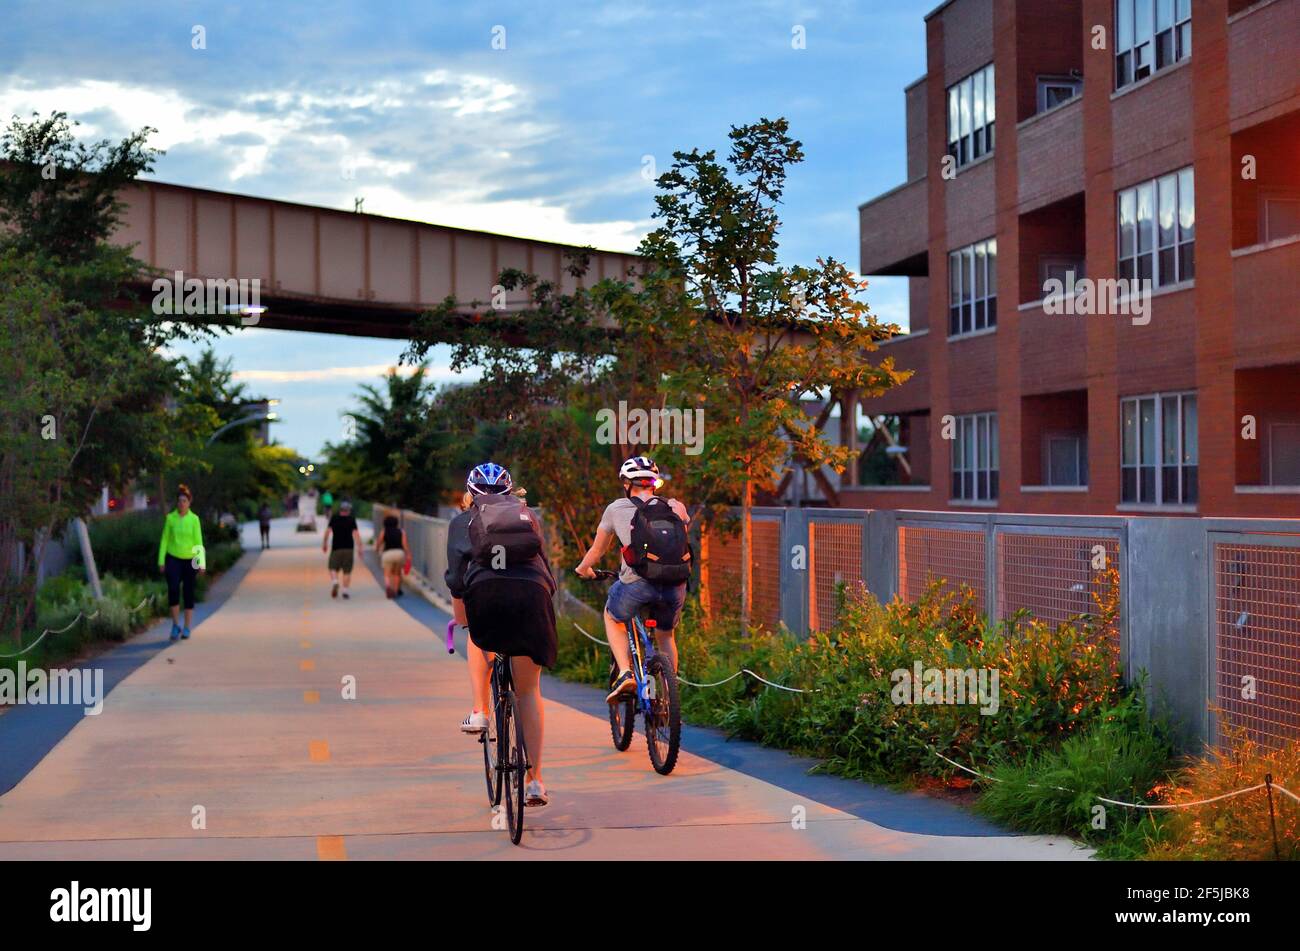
127,544
62,587
110,620
578,659
1124,756
222,556
1052,682
65,605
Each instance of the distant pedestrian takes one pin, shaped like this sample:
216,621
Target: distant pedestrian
264,525
181,559
394,552
347,539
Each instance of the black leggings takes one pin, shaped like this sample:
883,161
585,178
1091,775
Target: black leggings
180,575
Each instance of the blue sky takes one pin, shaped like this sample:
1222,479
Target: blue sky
545,138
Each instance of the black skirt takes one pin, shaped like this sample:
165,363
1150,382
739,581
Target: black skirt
512,616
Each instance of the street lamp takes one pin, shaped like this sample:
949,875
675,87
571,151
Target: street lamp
254,418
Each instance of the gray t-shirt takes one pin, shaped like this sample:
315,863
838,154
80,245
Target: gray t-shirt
617,520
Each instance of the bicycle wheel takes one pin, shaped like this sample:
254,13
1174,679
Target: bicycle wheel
514,759
489,740
622,716
663,722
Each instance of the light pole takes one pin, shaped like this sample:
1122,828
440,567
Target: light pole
254,418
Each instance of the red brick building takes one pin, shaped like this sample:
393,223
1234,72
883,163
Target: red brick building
1083,141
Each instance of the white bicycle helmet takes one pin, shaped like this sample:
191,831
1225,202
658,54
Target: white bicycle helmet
639,467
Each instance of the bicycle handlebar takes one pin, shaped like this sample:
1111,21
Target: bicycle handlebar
602,574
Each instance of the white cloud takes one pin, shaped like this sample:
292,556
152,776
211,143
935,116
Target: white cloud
333,374
438,147
517,217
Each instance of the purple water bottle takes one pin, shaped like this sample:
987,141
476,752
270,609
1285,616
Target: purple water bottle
451,636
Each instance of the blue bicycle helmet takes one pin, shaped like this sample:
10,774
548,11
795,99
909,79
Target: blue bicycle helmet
488,479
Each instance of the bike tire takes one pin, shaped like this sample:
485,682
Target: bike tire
489,740
663,722
622,716
514,757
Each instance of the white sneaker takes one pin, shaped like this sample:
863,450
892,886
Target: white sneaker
474,723
535,794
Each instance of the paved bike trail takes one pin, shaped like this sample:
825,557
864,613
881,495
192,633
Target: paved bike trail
241,743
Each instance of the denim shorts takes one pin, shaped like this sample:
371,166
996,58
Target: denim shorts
663,602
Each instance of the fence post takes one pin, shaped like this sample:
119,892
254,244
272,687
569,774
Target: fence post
1170,622
992,610
880,553
795,581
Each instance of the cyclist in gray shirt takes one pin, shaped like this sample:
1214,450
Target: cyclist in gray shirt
631,593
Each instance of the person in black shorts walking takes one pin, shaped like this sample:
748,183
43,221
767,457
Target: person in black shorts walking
343,530
264,525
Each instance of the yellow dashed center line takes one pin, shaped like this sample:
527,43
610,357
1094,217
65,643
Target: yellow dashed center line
311,696
330,848
306,665
305,645
319,751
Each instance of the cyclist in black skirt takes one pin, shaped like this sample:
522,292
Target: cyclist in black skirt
509,609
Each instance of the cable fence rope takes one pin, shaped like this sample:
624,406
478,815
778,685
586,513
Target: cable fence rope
744,671
1118,802
81,616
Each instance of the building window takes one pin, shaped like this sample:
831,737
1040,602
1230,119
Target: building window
970,117
973,288
1284,454
1065,268
1158,461
1157,230
1065,459
975,458
1055,90
1279,216
1150,35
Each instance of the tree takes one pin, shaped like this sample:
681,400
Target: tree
234,467
544,373
743,335
710,321
388,459
84,382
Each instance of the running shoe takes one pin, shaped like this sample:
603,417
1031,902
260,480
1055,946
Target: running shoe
176,631
185,633
474,723
535,794
626,683
334,590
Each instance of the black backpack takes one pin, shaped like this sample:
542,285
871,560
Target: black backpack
660,550
502,524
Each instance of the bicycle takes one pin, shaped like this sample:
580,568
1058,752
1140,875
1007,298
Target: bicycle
656,696
505,756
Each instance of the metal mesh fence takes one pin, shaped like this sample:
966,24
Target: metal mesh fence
834,568
951,556
721,567
1054,577
1256,621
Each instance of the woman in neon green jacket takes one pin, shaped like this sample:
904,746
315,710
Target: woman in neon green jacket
181,559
